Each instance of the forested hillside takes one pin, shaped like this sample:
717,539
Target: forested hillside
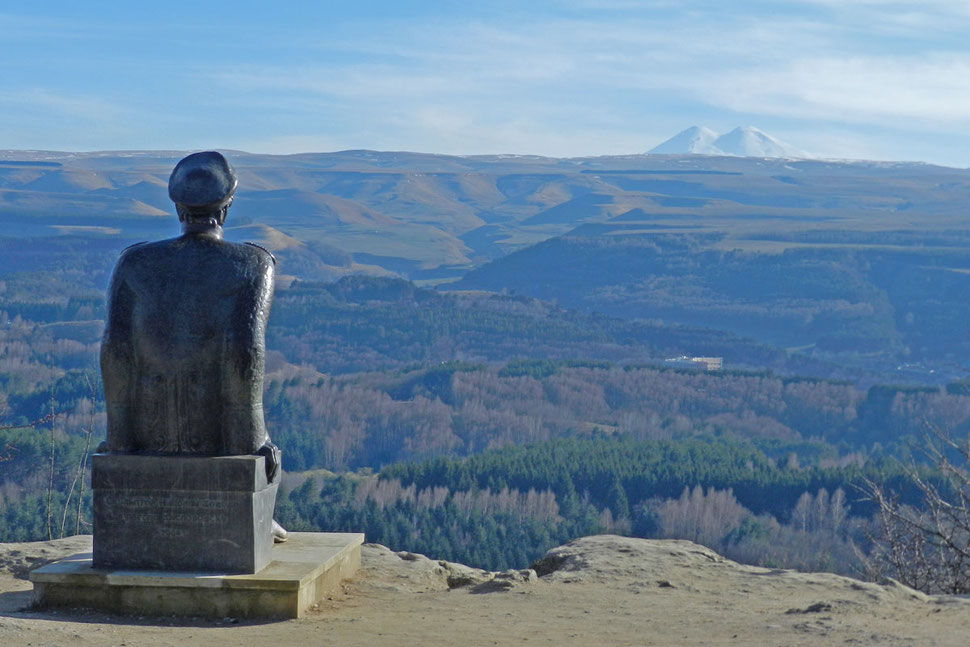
371,419
363,323
896,306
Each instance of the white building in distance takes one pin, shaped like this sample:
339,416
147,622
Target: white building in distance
706,363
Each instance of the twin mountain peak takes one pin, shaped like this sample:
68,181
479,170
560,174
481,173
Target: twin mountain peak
745,141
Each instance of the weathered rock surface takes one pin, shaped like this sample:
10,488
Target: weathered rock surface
412,573
18,559
595,590
642,563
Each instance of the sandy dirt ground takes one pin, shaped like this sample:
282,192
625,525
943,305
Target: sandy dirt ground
602,590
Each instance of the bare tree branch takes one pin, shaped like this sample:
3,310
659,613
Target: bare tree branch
927,548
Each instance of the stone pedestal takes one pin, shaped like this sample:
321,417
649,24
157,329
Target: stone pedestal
303,571
182,513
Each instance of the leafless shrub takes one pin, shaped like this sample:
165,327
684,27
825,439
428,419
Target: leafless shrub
926,547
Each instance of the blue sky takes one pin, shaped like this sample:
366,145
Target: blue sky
876,79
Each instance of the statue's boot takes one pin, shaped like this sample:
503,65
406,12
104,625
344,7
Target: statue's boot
279,533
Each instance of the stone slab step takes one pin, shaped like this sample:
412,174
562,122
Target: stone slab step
302,571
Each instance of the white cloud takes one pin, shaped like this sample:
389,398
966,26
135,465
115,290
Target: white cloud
957,7
914,92
69,105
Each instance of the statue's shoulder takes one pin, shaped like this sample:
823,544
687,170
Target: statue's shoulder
133,246
145,249
136,263
264,250
133,254
144,257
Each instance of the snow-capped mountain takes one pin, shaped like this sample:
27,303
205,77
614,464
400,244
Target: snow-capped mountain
696,139
744,141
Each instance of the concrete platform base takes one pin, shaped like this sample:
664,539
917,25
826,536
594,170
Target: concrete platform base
302,571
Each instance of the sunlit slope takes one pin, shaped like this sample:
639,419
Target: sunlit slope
436,216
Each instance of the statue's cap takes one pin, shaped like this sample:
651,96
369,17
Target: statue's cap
202,180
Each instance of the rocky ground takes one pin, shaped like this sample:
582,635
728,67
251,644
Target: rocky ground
602,590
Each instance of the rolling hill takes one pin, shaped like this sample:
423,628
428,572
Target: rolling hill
435,216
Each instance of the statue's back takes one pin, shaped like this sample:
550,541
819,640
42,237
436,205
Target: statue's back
184,347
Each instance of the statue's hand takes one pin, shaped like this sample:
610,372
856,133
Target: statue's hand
272,454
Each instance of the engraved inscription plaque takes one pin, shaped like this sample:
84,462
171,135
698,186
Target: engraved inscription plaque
182,512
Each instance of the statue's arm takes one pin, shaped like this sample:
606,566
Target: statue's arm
244,378
117,359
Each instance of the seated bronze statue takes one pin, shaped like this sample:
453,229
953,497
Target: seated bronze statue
183,351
